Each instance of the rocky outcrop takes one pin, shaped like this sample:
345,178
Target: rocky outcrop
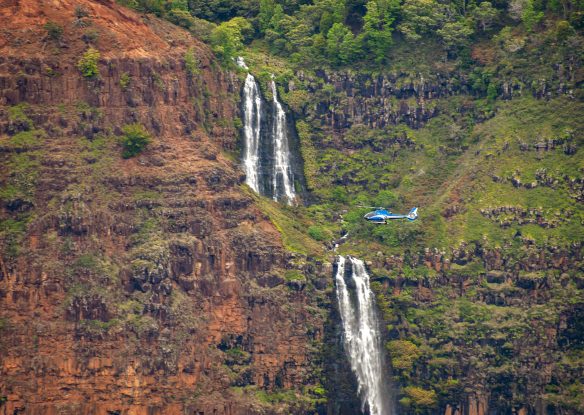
507,215
376,101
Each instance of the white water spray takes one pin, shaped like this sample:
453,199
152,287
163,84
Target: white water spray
362,337
252,114
283,180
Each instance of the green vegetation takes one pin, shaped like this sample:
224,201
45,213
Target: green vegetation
324,32
291,225
88,64
319,233
294,275
54,30
419,398
20,159
403,354
227,38
192,63
90,36
134,140
12,232
125,80
24,140
309,153
17,116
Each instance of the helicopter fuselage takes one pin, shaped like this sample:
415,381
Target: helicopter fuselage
381,216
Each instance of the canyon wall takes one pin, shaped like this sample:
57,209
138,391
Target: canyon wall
150,284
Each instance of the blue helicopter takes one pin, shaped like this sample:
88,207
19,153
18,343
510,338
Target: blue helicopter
381,215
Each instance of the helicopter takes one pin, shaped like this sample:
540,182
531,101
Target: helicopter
382,215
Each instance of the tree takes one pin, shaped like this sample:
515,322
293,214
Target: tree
485,14
455,35
420,17
530,16
134,140
88,63
378,27
227,38
54,30
332,11
267,8
277,18
223,10
386,198
150,6
341,46
178,5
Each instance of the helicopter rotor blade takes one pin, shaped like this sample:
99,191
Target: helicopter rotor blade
371,207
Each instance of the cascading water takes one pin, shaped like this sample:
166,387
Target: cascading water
283,180
266,149
362,337
252,114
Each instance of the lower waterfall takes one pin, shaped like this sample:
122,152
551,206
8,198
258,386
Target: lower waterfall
362,337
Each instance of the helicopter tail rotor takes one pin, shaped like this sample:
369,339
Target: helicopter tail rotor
413,215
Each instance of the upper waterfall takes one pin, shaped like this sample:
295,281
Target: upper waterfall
362,337
252,113
251,131
266,157
283,180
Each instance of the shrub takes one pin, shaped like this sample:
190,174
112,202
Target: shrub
403,354
191,62
81,12
294,275
88,63
419,397
86,261
339,194
18,119
125,81
90,36
134,140
54,30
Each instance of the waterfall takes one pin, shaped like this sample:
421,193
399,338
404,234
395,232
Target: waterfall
283,180
252,114
266,155
362,338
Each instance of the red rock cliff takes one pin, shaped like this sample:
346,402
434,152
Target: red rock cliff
148,285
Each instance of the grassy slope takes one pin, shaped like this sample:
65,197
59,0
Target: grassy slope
519,121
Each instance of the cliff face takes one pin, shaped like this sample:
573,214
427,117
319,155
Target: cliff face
503,323
481,295
151,284
341,99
